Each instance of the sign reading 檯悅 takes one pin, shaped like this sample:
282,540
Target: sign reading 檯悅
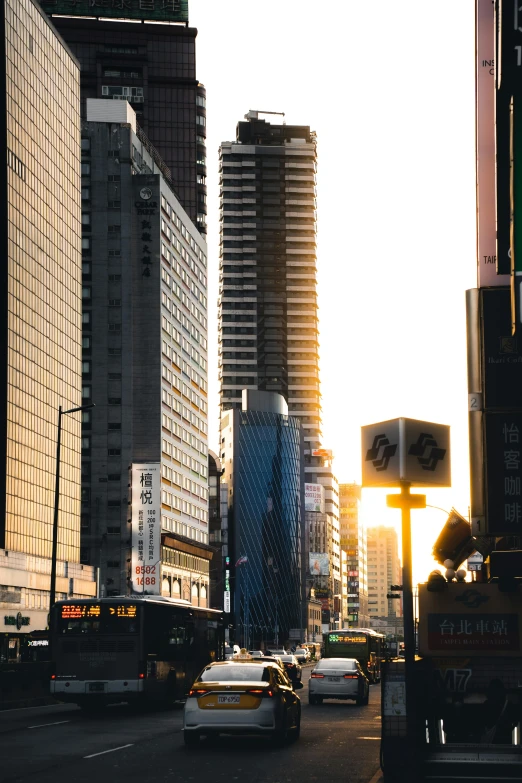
314,497
319,564
157,10
146,528
406,450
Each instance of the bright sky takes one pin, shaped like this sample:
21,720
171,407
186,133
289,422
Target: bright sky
389,89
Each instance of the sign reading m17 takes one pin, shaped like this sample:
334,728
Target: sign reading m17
406,450
146,528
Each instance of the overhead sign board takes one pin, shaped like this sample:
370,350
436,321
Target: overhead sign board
314,497
146,528
154,10
406,450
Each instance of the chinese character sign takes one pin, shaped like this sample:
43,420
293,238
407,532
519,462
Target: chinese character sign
146,528
503,436
314,497
160,10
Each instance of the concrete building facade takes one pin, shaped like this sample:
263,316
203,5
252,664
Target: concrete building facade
384,569
144,355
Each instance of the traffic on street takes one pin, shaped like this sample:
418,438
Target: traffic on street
339,741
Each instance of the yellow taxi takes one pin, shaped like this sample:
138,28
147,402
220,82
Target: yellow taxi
242,696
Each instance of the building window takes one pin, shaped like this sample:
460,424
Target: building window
86,193
86,144
85,169
86,244
86,392
86,293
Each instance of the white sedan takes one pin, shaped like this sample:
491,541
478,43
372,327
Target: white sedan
338,678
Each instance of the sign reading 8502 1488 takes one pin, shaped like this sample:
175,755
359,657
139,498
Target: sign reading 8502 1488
160,10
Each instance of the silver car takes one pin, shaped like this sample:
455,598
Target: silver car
338,678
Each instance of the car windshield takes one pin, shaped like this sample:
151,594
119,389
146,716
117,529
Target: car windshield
239,673
336,663
287,658
300,650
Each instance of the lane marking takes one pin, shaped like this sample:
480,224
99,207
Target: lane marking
111,750
56,723
377,778
373,738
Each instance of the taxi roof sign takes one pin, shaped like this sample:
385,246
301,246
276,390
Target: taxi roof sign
243,655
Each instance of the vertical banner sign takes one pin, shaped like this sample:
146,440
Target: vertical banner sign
485,147
146,528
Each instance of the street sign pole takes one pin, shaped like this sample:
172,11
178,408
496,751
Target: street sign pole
405,501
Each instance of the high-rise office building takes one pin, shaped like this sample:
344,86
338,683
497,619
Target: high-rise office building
268,298
354,544
262,456
144,356
40,327
384,570
152,66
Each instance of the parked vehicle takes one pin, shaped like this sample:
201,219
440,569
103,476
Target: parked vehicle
230,651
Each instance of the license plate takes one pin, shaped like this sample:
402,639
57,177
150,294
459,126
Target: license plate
96,686
228,699
334,679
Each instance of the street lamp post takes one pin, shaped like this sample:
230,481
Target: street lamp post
57,498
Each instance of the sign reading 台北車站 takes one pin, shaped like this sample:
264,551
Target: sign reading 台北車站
158,10
146,528
469,618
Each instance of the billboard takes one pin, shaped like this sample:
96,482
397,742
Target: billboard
406,450
314,497
146,528
319,564
157,10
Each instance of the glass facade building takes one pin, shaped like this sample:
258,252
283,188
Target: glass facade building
263,460
153,67
40,323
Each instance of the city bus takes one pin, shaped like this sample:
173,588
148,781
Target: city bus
130,649
365,644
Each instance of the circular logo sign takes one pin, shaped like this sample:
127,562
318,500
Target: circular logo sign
146,193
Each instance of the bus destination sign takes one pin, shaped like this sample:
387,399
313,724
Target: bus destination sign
347,639
123,610
80,611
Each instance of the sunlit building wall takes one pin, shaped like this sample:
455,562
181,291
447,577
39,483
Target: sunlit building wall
384,569
354,544
40,323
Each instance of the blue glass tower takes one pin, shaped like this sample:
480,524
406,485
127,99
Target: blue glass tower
262,452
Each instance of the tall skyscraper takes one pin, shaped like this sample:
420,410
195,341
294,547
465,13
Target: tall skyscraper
144,357
384,569
40,324
268,325
152,66
262,456
268,298
354,543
